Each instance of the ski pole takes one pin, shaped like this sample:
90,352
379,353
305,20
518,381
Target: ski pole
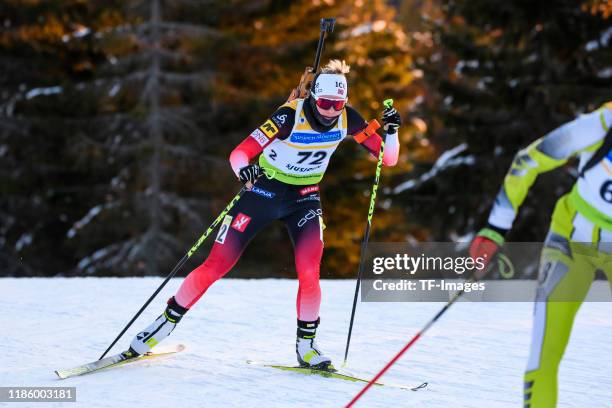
496,260
406,347
179,265
387,103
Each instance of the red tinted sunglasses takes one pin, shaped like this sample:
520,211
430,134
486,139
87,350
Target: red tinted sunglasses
325,104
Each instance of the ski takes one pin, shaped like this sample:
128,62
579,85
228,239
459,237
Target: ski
114,361
332,373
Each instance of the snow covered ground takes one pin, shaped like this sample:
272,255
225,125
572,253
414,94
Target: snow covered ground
473,357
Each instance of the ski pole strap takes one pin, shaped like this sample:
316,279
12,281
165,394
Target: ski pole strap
367,131
269,173
505,266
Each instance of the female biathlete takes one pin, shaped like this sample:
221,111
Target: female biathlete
578,244
294,147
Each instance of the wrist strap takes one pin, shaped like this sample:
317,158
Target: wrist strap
367,131
492,235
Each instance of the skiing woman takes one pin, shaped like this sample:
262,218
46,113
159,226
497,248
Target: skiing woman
578,244
293,148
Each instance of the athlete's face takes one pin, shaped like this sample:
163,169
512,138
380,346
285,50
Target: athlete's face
331,112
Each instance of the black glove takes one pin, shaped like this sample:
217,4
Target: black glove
391,120
250,173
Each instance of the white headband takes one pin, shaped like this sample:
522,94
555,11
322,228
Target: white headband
330,85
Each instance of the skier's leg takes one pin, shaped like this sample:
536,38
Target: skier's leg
306,230
307,238
565,278
243,222
221,259
223,256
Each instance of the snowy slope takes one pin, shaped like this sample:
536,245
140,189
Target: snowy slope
473,357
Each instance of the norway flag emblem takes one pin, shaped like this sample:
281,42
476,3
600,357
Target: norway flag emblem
240,222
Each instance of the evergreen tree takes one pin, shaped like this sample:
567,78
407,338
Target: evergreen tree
130,110
39,62
499,76
276,41
151,139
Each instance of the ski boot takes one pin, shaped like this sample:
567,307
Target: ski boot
156,331
308,353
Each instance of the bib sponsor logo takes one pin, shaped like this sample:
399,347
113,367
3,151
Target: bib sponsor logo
314,197
241,222
308,190
311,214
259,137
262,192
223,229
279,119
310,138
291,167
269,128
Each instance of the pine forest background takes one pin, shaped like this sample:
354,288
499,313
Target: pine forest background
117,119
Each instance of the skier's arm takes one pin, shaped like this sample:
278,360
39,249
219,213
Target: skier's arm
585,133
279,125
547,153
371,141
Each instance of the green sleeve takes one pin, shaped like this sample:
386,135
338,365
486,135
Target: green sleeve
583,134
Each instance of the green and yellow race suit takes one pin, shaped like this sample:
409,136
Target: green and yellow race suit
578,244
